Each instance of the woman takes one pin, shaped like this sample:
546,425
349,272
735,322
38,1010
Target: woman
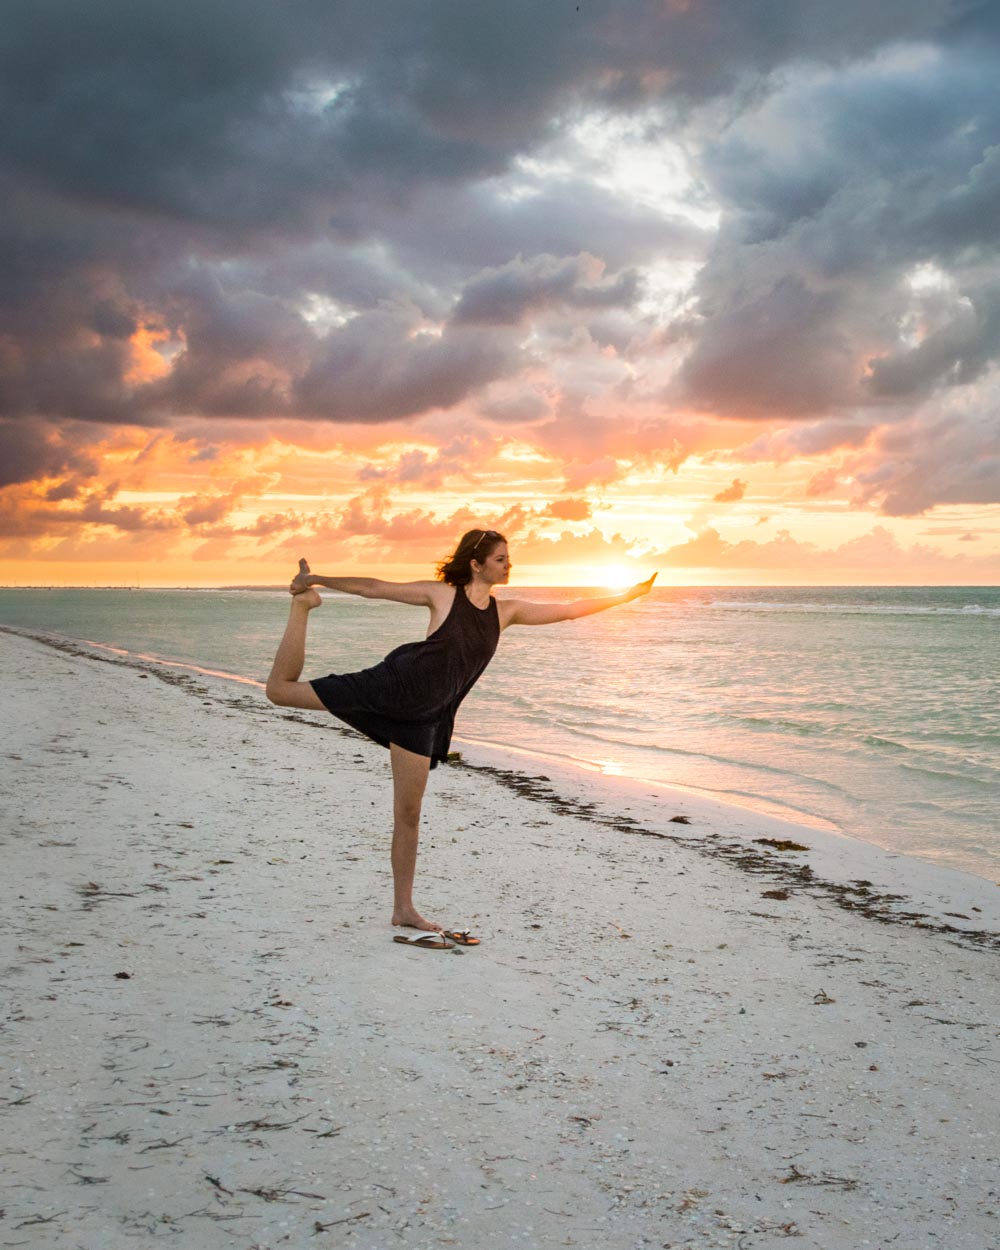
408,702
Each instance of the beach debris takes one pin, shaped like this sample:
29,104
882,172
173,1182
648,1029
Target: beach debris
680,820
84,1179
279,1193
822,998
781,844
123,976
92,893
347,1219
797,1177
781,895
257,1125
164,1144
39,1219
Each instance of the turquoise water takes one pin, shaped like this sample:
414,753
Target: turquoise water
874,710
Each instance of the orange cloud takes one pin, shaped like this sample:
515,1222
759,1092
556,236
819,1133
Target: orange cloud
146,362
732,493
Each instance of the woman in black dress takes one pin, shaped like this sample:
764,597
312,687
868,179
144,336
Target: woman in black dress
408,701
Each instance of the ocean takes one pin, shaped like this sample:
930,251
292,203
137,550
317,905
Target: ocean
871,711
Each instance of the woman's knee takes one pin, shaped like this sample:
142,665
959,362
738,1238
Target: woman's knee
406,812
293,694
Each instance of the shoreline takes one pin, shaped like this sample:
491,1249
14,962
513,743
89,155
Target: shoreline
887,886
211,1039
848,744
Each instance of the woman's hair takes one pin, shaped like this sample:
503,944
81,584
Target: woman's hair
475,545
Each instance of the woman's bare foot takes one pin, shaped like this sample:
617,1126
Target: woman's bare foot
410,918
300,581
311,598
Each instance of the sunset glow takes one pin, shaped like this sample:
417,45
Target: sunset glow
618,577
602,298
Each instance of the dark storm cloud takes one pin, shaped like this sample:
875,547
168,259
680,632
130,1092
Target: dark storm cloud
954,352
837,188
33,449
382,366
506,295
206,172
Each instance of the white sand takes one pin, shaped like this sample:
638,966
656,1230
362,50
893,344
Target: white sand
645,1051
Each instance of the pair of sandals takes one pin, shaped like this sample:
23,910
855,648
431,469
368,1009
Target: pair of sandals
434,941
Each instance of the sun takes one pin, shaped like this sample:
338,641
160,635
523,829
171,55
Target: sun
618,576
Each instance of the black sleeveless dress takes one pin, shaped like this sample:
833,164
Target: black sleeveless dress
411,697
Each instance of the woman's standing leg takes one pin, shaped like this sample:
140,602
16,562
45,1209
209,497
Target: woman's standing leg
409,781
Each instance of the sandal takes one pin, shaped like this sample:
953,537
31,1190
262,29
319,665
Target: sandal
461,936
430,941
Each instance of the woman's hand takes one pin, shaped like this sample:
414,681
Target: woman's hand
641,588
301,582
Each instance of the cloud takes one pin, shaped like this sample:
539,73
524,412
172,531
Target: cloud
570,510
35,449
504,296
732,493
822,483
25,518
877,550
462,455
569,549
381,366
629,228
845,195
939,456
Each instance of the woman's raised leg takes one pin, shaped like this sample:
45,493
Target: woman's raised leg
283,685
409,781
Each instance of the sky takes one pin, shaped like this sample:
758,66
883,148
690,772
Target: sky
686,285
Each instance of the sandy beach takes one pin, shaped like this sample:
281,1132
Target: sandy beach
673,1035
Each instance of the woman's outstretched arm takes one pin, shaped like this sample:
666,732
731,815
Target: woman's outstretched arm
524,612
419,593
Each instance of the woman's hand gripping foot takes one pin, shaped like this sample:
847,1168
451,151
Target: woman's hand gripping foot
302,587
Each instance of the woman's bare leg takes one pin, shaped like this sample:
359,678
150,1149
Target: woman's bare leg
283,685
409,780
